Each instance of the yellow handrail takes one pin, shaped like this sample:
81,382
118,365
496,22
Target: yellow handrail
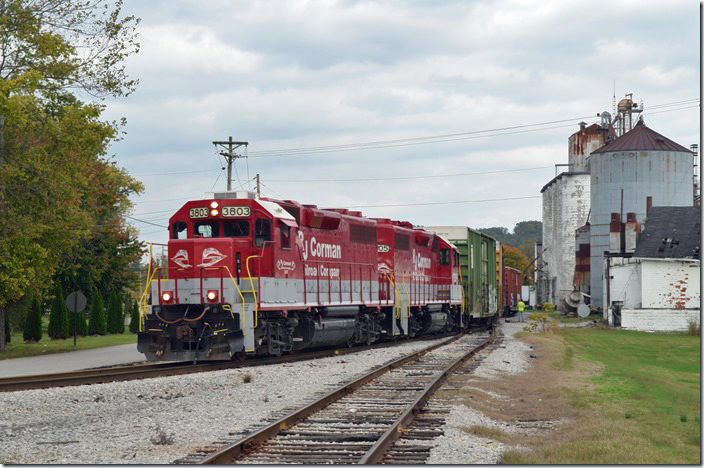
143,300
408,295
254,293
244,319
397,304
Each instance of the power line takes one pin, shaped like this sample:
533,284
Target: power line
444,203
146,222
461,174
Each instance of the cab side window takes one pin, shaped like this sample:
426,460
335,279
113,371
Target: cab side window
262,232
178,230
444,257
285,231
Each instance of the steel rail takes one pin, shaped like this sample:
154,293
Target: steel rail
162,369
386,441
230,453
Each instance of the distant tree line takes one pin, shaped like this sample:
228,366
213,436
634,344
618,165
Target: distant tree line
519,245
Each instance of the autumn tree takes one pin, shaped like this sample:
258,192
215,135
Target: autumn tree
514,258
96,323
52,145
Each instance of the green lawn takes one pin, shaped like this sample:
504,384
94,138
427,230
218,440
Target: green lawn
642,407
17,348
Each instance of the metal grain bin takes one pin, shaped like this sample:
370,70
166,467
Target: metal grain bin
639,169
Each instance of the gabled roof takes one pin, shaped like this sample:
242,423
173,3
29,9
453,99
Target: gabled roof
641,138
671,232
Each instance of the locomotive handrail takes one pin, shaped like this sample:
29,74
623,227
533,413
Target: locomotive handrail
254,293
243,319
351,271
143,307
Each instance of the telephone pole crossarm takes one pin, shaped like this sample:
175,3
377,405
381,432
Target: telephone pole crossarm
230,155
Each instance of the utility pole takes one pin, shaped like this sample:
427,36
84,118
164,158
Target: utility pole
230,155
258,191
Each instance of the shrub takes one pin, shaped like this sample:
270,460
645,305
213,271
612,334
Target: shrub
58,317
115,320
8,331
694,328
33,323
247,378
134,317
96,323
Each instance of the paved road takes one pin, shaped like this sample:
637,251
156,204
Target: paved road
76,360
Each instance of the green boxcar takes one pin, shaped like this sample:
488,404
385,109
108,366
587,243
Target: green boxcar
478,263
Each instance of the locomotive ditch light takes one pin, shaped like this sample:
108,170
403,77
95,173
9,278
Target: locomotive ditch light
214,212
167,297
212,295
214,204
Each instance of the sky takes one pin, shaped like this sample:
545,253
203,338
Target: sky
429,111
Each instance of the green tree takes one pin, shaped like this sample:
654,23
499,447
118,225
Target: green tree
134,317
116,318
33,324
49,140
96,323
8,329
58,316
514,258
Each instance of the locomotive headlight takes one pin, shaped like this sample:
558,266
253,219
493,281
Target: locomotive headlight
167,296
214,212
212,296
214,204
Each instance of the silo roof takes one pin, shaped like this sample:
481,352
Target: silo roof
641,138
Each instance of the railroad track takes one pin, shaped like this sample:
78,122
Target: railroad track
145,371
359,422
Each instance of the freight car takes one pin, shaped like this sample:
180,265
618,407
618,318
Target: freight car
480,278
512,289
258,276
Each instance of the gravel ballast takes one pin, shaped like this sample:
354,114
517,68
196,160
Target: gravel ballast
156,421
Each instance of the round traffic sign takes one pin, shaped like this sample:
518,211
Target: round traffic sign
76,301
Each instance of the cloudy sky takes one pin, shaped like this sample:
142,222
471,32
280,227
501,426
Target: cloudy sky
435,112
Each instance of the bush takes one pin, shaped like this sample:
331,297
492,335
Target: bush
8,331
96,323
694,328
58,317
134,317
33,323
81,324
116,319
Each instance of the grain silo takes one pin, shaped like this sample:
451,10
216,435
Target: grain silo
632,173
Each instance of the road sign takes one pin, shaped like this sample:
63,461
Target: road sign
76,301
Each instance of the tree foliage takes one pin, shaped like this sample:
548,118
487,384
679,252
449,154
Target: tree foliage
58,316
524,232
134,317
514,258
33,324
97,324
53,146
116,318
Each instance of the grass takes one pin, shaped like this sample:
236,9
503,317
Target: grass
17,348
641,407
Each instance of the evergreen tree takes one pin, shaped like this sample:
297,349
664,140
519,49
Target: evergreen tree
134,317
81,324
33,324
116,320
8,330
96,323
58,320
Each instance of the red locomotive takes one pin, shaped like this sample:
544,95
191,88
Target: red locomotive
261,276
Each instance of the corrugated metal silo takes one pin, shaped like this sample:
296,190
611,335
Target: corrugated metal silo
639,169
